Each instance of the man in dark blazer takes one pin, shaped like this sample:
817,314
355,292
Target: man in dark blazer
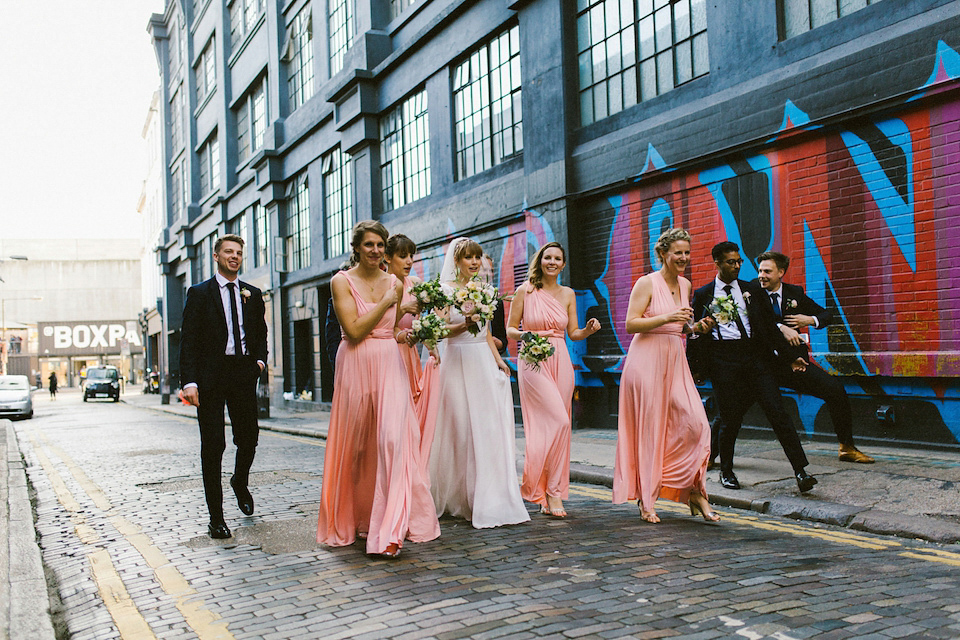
223,350
738,358
793,310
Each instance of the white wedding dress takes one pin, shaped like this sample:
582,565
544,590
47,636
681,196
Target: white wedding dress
473,472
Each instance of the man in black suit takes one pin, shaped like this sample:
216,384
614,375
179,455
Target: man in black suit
738,358
793,310
223,350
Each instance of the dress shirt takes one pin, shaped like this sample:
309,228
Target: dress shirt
730,331
225,301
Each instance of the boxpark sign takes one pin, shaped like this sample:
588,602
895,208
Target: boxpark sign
109,337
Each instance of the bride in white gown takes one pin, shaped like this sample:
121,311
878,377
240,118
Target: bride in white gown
473,472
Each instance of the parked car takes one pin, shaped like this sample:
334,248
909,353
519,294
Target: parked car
15,399
102,382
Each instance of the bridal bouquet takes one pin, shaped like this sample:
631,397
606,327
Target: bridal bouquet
430,294
477,300
534,349
723,309
430,329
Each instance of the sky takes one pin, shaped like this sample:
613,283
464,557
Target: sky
76,79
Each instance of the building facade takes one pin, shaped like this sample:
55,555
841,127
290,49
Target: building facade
76,302
824,129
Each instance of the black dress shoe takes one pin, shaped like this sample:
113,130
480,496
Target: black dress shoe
244,499
728,480
805,481
218,530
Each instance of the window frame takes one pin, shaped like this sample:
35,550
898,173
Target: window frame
482,66
782,16
342,32
297,229
338,218
409,170
297,53
205,72
251,126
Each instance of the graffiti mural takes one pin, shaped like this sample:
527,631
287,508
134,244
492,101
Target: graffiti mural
868,210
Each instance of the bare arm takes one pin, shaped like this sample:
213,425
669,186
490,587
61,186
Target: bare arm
355,326
516,313
573,330
503,366
640,300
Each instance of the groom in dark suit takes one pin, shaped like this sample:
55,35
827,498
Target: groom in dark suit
739,357
793,310
223,350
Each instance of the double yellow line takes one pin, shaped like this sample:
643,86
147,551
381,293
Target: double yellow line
130,622
830,535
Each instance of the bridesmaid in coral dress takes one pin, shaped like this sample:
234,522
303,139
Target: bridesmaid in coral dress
663,442
373,485
399,259
544,307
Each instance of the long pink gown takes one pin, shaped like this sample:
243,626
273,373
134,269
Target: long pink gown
545,401
372,476
663,440
410,355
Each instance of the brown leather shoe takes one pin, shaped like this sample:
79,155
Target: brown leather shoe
849,453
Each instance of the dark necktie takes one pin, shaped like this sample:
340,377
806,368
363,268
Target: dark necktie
775,298
235,318
736,317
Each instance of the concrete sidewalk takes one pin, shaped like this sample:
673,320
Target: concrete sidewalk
910,493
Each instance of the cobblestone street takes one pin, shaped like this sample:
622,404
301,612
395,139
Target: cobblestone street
122,528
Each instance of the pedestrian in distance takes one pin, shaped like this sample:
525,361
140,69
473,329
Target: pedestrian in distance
223,351
739,356
663,436
473,458
793,310
373,483
543,307
53,385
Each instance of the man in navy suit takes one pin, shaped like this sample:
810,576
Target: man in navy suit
223,350
739,358
794,310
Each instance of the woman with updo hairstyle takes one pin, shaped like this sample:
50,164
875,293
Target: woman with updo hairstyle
373,483
663,438
473,467
399,260
544,307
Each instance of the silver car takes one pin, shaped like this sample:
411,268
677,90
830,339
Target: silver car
15,400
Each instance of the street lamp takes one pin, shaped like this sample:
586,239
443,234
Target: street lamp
3,321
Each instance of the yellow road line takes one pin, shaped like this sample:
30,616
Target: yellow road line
124,612
841,537
112,590
201,620
316,442
933,555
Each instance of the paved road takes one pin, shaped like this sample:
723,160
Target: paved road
121,522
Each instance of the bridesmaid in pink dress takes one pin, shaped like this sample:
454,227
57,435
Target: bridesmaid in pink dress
373,485
544,307
663,442
400,251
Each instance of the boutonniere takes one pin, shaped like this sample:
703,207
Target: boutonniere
791,304
244,294
746,297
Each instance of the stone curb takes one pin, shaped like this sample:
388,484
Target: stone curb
29,605
832,513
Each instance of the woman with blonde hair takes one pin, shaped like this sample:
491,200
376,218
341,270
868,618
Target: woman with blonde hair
544,307
373,485
663,439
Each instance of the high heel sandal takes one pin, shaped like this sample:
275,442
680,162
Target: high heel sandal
556,512
709,516
392,550
648,516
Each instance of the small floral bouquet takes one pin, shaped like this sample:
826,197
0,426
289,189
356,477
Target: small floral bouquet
430,294
723,309
534,349
430,329
477,300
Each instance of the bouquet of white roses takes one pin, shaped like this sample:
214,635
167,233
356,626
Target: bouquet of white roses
430,329
534,349
430,294
724,309
477,300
